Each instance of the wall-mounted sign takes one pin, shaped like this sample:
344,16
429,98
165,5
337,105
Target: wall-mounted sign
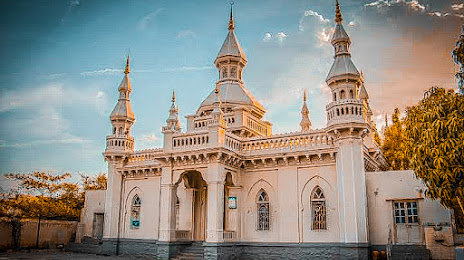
232,202
135,223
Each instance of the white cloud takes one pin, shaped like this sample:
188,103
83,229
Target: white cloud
187,68
148,19
351,24
317,15
150,137
457,7
186,34
311,14
44,123
324,35
413,4
281,36
102,72
267,37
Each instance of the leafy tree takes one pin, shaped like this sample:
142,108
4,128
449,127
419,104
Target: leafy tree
393,146
94,183
458,55
434,138
44,195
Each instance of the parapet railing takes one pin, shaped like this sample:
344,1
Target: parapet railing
287,142
229,235
190,140
183,235
145,155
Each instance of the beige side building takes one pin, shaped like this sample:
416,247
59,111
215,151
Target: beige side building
225,187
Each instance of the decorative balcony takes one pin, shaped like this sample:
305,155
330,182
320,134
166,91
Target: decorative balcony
345,111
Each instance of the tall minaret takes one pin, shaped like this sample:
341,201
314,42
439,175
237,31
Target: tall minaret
122,118
231,59
305,122
347,125
118,147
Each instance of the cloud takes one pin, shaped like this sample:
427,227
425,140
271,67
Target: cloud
267,37
457,7
324,35
439,14
102,72
352,23
412,4
313,17
147,141
186,34
281,36
148,19
150,137
36,115
188,68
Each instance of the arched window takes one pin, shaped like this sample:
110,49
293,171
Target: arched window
335,96
224,72
318,210
135,212
120,131
342,94
263,210
351,94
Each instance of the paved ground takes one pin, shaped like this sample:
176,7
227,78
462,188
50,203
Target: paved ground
59,255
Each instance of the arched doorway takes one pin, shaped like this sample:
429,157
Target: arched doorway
197,187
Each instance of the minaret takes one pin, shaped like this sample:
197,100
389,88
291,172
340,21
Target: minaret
122,118
119,145
172,124
231,59
347,125
305,122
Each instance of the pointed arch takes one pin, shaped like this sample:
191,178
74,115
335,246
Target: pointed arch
318,209
262,203
136,206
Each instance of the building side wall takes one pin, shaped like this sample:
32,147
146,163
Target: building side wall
148,189
383,188
94,203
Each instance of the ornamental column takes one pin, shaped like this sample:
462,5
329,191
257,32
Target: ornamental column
215,204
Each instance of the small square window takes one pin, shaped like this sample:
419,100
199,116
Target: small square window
406,212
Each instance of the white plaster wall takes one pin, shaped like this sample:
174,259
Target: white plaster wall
94,203
383,187
253,182
289,189
148,189
326,178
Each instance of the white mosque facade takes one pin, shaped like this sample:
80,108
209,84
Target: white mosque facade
227,188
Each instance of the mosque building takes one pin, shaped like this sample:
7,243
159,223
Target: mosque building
225,187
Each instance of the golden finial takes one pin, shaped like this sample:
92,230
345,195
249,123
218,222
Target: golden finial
173,96
127,70
305,95
231,19
338,14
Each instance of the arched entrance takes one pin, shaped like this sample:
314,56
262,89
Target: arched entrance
196,187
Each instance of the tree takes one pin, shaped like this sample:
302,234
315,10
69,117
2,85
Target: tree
43,195
458,55
434,143
393,146
94,183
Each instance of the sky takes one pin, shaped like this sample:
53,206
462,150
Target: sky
62,62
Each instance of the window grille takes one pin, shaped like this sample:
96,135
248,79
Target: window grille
263,211
406,212
135,212
318,209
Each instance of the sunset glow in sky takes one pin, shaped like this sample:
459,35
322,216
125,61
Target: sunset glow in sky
62,62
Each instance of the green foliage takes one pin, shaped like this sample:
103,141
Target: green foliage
393,147
434,138
48,196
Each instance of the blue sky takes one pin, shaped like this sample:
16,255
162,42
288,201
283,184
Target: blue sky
62,62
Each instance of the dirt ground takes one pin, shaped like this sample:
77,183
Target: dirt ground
59,255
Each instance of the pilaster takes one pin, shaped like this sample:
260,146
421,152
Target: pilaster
167,207
113,199
215,204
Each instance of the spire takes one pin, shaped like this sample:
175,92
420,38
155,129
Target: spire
173,122
123,107
338,14
127,69
305,122
231,19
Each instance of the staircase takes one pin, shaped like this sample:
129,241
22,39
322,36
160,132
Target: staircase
192,251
